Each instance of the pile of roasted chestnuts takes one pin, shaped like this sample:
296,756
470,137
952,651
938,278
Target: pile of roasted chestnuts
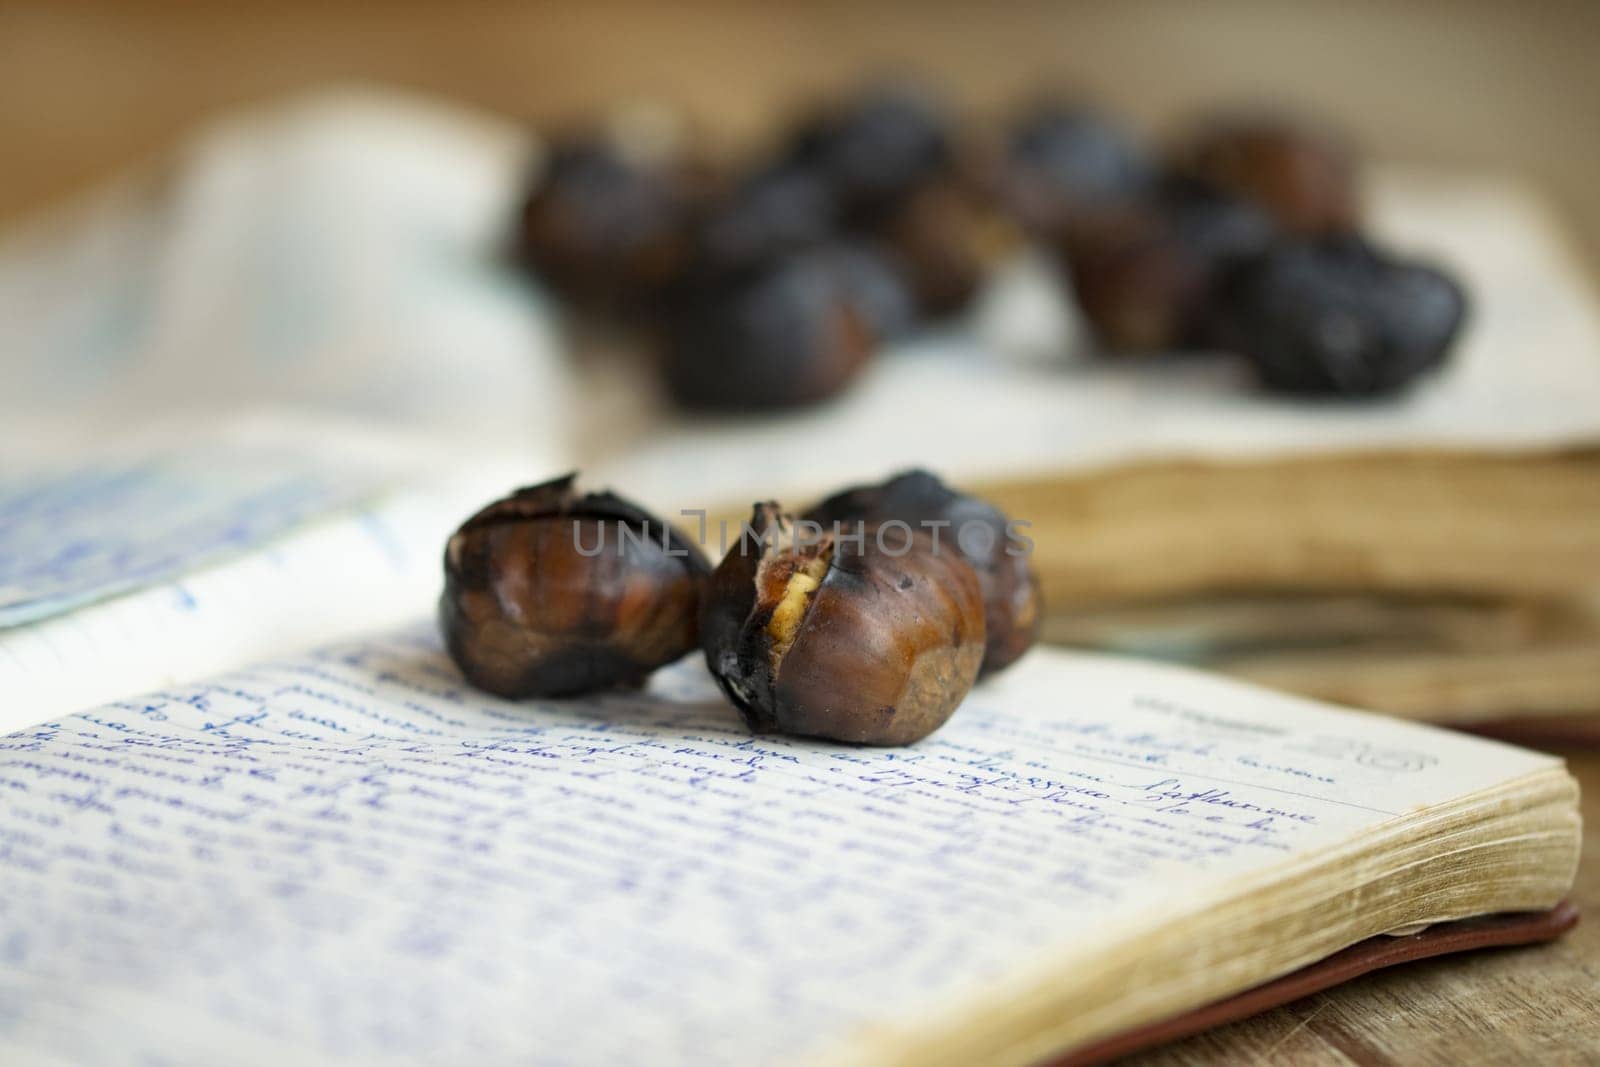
865,619
770,283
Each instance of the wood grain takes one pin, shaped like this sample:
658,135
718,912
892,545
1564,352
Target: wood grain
1512,1006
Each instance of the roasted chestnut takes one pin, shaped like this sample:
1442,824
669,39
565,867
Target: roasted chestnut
874,286
877,149
872,639
789,334
1012,604
1147,275
761,217
552,593
1337,317
944,243
1304,176
605,230
1065,165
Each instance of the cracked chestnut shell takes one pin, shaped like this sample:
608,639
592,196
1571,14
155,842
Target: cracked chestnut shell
1012,600
551,593
843,640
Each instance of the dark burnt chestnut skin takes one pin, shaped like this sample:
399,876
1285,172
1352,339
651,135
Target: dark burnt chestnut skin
604,230
874,287
944,242
546,595
1304,176
789,334
1012,601
762,217
1147,276
877,149
848,640
1340,318
1065,165
888,159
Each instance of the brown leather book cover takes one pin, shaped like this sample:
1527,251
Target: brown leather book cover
1494,931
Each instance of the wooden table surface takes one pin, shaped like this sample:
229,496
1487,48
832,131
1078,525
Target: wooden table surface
1538,1005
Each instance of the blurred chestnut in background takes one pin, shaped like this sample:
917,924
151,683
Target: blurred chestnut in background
874,286
889,158
877,149
605,229
1012,601
1338,318
783,335
765,215
1303,175
875,641
945,242
1147,276
551,593
1064,165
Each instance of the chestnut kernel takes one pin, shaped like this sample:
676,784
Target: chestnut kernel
872,640
979,531
552,593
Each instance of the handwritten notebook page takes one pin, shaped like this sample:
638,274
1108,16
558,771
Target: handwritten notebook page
375,567
74,536
352,858
122,576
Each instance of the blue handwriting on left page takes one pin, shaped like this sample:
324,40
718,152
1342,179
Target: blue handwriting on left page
74,537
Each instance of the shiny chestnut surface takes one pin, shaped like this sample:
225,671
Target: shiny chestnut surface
531,608
979,531
841,640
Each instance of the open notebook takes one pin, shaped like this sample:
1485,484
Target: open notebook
349,857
